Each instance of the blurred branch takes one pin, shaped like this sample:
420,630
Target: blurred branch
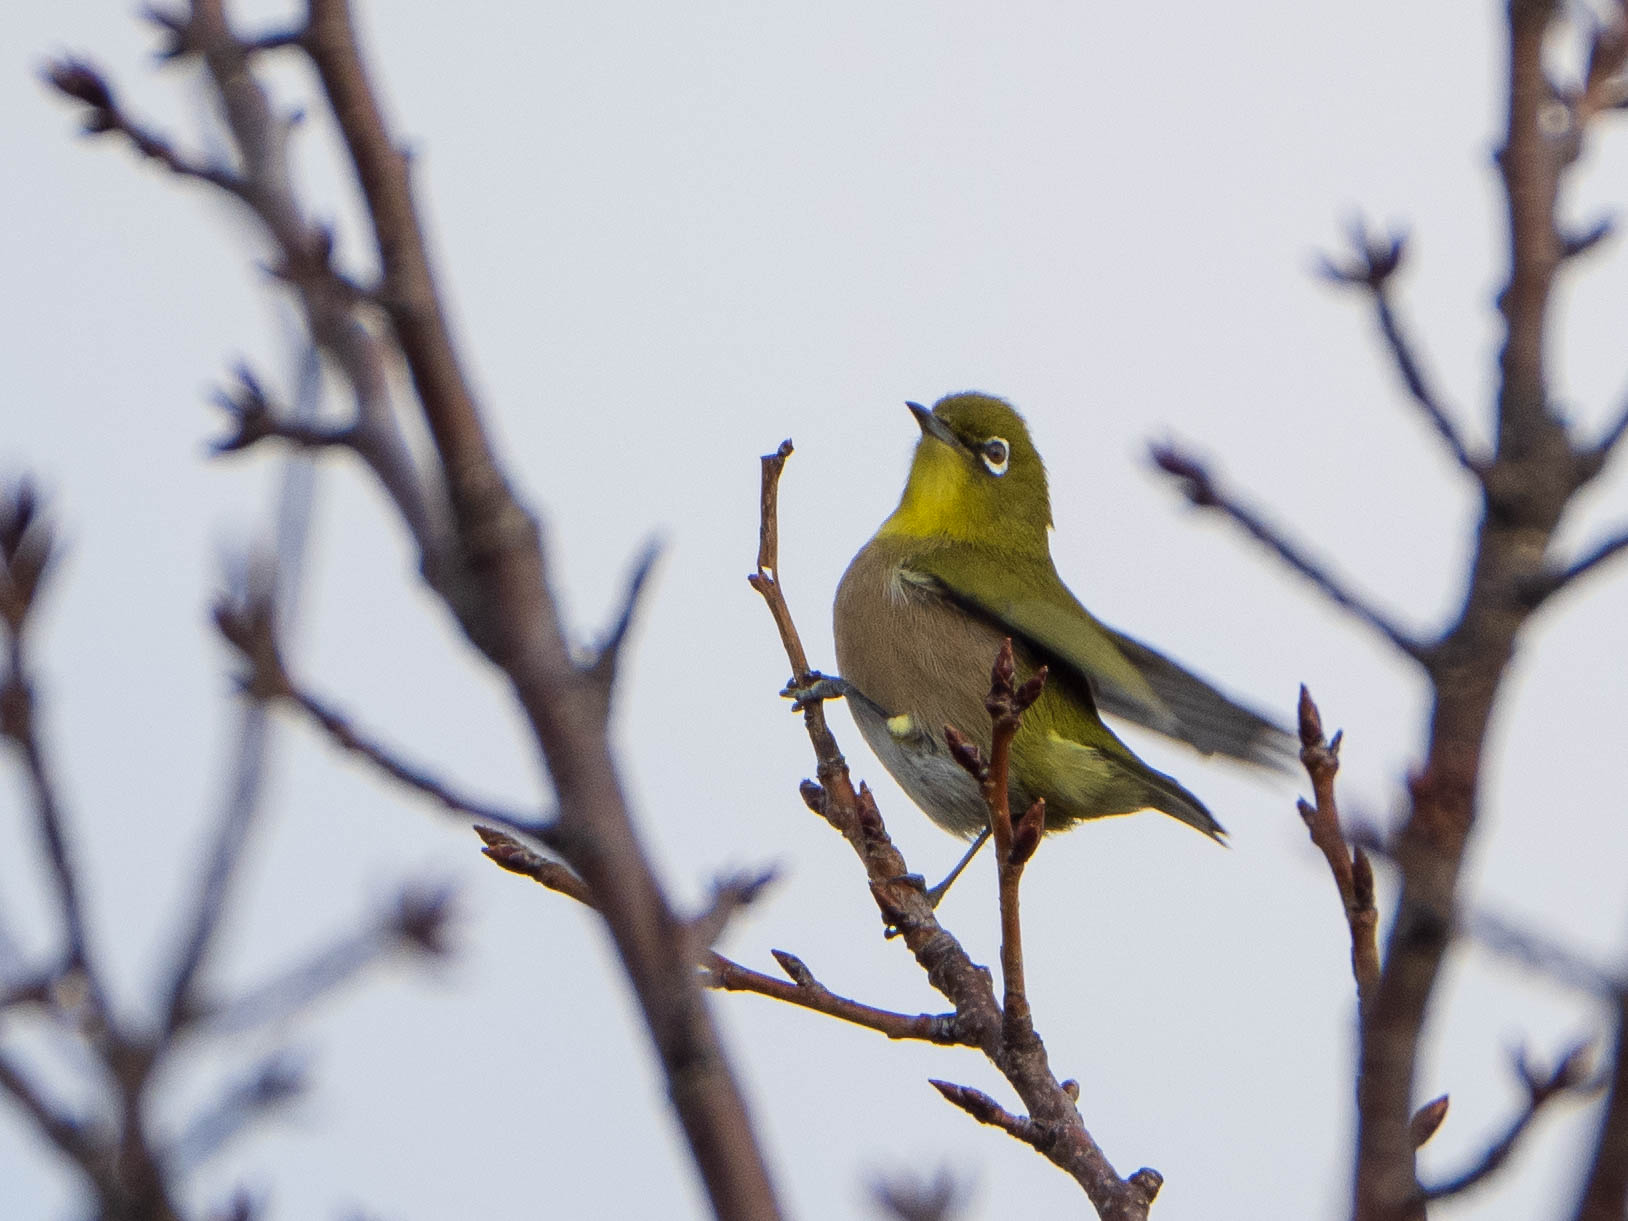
729,895
1606,1186
910,1198
72,1139
1596,457
248,628
480,546
274,1082
509,613
1373,262
328,300
1353,873
1538,953
345,735
1202,492
266,582
417,920
1546,584
254,419
84,83
27,544
1569,1074
607,655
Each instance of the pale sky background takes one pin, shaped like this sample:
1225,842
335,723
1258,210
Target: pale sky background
671,236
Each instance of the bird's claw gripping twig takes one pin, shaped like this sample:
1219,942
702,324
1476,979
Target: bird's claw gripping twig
818,687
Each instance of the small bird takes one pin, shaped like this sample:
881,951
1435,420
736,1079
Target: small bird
965,562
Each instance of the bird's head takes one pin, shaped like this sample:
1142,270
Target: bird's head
976,477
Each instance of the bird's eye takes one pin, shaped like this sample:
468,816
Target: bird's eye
995,455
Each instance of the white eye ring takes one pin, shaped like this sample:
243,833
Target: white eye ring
995,454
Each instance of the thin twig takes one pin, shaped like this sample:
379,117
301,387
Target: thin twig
941,1028
276,582
603,667
78,79
18,722
272,1083
344,734
1353,873
509,853
328,300
724,974
729,895
73,1139
1569,1074
1202,491
1015,841
1549,584
415,920
1596,457
1607,1183
1373,263
1408,365
1537,952
986,1110
27,550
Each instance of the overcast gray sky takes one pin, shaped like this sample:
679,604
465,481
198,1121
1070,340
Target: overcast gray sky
673,235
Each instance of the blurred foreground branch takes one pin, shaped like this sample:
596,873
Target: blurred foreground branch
479,545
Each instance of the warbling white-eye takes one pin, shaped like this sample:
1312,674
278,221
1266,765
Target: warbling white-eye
964,562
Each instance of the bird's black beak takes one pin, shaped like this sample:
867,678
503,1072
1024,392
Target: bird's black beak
932,426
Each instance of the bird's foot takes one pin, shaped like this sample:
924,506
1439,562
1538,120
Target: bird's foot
818,687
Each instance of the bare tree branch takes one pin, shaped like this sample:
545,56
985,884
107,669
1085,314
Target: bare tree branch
274,1082
912,1199
1373,262
1539,953
1015,840
806,992
80,80
1353,874
75,1140
417,919
1525,489
328,300
268,582
26,548
1606,1187
347,736
1201,490
254,419
1547,584
1569,1074
509,613
729,895
603,667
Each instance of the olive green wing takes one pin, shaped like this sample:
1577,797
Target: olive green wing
1024,595
1207,720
